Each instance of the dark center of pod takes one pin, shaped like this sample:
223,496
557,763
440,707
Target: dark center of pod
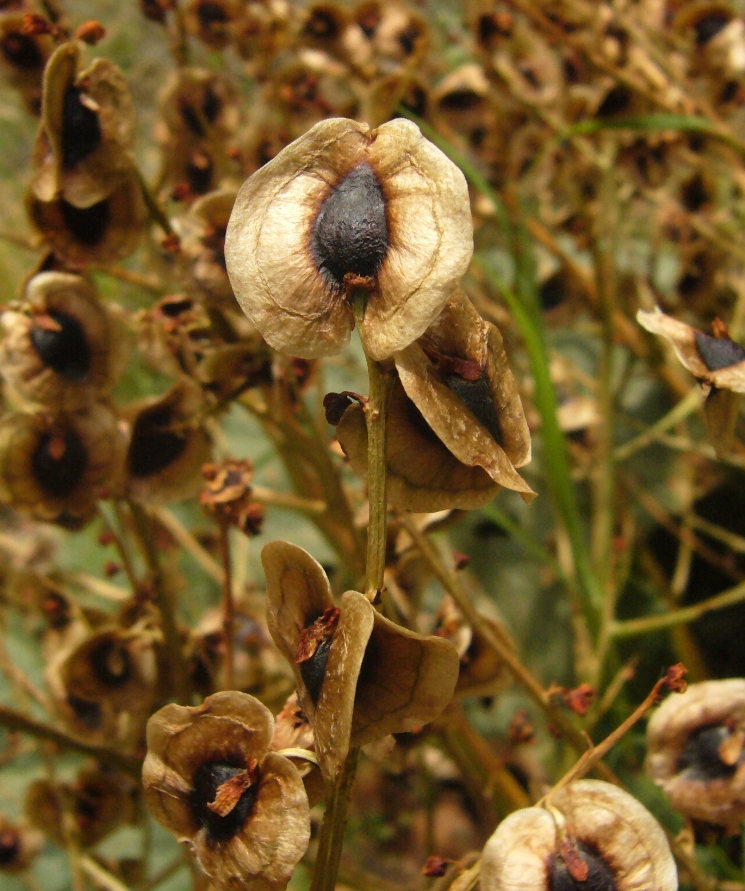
708,26
206,782
313,671
111,663
64,350
58,463
478,397
154,444
87,224
350,234
10,846
718,352
81,129
211,14
599,874
701,758
22,51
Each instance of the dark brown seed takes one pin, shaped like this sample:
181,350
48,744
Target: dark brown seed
718,352
207,781
477,395
66,350
599,877
154,445
87,224
81,129
59,470
351,231
701,757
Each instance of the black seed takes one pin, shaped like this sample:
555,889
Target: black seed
199,175
87,224
22,51
154,445
65,351
701,759
206,782
81,129
191,119
709,26
313,670
111,663
617,101
694,194
599,878
211,14
460,100
211,105
478,396
322,25
59,477
718,352
10,847
173,308
88,713
351,231
408,38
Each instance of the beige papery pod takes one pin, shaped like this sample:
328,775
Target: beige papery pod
202,233
593,835
345,208
84,148
168,445
716,362
62,346
23,57
54,466
359,676
695,751
101,233
456,429
211,780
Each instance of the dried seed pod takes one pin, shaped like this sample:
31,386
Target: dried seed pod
62,347
18,845
717,362
593,835
84,148
167,445
455,406
103,232
359,676
695,751
212,21
211,780
99,801
341,207
23,57
55,466
198,104
482,671
202,234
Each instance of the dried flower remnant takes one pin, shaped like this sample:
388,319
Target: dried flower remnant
84,148
227,495
360,677
717,362
379,210
456,406
695,751
593,836
167,445
62,347
55,466
210,779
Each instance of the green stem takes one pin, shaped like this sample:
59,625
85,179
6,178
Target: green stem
331,839
228,607
381,383
165,602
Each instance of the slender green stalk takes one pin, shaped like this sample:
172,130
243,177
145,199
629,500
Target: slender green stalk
228,607
381,382
331,839
650,624
164,600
